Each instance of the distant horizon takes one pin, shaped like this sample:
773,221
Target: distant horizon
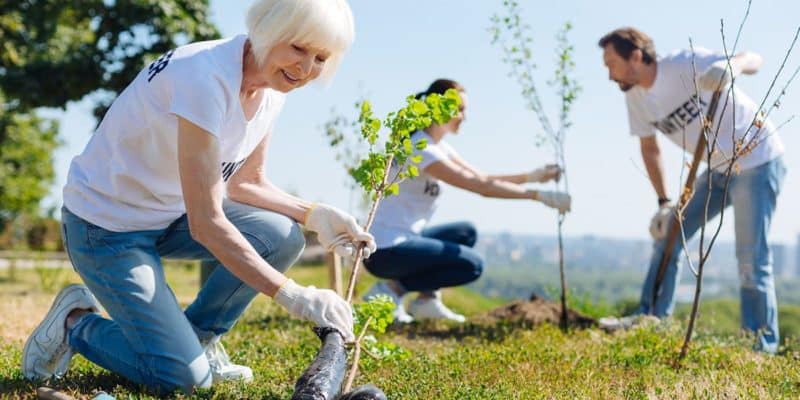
721,240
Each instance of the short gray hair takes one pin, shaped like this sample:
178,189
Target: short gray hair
327,24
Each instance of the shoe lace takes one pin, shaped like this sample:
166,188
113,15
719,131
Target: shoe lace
216,354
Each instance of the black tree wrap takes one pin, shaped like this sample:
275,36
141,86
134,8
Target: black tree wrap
323,378
366,392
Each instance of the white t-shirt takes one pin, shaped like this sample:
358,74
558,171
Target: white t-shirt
406,214
127,177
670,107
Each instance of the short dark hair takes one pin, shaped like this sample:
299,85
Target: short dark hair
440,86
626,40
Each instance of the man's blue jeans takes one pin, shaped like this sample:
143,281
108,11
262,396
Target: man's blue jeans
441,257
753,194
149,338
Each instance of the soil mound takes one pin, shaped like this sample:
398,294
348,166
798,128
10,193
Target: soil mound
536,311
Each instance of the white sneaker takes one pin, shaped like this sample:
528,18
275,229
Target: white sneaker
613,324
400,314
46,353
222,369
433,308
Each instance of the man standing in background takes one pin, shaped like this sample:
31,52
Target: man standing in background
666,94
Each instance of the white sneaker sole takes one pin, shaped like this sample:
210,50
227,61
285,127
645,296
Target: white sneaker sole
236,374
426,316
50,334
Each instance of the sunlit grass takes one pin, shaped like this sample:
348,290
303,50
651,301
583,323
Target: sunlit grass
446,362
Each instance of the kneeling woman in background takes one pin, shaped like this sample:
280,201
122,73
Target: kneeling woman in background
415,257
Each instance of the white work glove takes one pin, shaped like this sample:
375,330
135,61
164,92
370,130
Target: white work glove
544,174
716,76
321,306
558,200
338,231
659,224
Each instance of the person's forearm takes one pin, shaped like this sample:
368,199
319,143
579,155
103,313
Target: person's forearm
270,197
655,171
228,245
488,187
516,178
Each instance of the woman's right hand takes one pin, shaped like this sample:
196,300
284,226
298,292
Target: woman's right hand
547,173
321,306
558,200
338,231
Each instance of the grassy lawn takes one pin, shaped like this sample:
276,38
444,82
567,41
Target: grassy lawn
446,361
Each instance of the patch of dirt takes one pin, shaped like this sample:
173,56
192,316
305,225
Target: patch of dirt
534,312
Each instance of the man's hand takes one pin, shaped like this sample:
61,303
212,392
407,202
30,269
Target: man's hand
338,231
659,224
717,76
558,200
544,174
321,306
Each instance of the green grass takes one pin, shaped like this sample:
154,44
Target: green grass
460,362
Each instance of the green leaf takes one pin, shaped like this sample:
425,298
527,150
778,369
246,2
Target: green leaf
408,146
393,189
419,107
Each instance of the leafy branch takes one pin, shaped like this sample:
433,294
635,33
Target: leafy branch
373,175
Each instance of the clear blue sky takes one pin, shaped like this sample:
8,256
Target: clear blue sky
401,46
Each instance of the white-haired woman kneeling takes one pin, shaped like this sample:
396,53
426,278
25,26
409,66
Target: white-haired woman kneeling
175,170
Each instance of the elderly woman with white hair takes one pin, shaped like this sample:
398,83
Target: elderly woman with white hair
176,170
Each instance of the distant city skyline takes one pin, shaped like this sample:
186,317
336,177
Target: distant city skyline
609,269
597,252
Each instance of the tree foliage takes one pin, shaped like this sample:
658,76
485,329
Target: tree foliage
372,173
56,51
27,143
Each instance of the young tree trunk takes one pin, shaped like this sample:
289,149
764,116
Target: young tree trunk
563,321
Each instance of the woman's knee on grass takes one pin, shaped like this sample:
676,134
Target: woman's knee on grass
174,374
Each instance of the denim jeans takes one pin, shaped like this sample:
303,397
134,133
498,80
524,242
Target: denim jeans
753,194
441,257
150,339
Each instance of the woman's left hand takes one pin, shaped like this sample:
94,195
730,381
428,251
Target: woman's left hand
544,174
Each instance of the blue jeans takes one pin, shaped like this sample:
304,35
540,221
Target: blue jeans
753,194
441,257
149,338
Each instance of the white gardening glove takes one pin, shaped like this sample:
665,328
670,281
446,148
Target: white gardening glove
544,174
558,200
321,306
659,224
338,231
717,76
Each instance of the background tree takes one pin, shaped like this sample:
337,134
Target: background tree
742,146
53,52
514,37
27,143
